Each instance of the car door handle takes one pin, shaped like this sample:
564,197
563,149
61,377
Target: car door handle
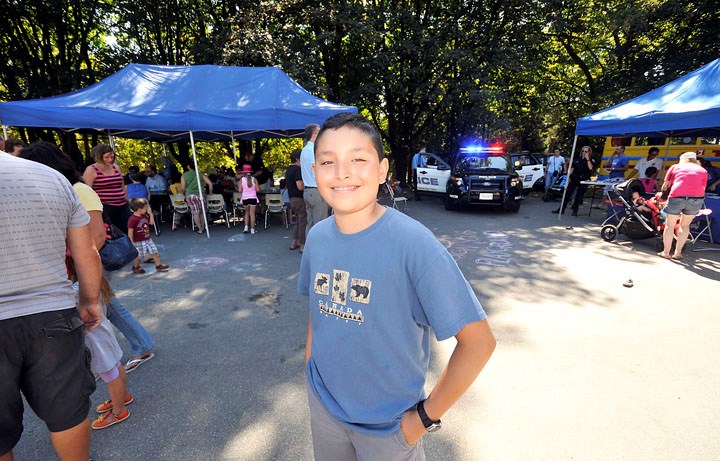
535,169
422,172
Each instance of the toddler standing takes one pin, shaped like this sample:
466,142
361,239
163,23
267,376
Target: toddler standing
139,233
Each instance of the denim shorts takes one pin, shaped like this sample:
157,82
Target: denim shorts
44,357
689,206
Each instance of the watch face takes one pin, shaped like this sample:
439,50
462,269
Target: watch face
434,427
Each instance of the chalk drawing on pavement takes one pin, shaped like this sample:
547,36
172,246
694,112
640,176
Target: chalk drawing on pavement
491,248
203,264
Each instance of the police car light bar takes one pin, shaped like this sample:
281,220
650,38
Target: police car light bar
478,149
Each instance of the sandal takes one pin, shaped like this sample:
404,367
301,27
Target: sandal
162,268
676,257
663,255
107,405
103,421
294,248
132,364
138,270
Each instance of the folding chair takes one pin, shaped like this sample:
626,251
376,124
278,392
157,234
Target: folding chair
216,206
396,200
700,227
180,208
274,204
238,208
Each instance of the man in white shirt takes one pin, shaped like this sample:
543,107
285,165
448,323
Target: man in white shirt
555,167
643,164
317,208
155,183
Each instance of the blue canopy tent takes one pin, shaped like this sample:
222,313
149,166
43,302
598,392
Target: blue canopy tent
687,106
166,103
174,103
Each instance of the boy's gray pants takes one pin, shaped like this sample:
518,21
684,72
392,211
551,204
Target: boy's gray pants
334,442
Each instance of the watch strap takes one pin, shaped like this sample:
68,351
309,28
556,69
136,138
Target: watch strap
427,422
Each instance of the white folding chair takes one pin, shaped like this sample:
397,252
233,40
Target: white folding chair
395,200
216,206
700,227
274,204
238,208
180,209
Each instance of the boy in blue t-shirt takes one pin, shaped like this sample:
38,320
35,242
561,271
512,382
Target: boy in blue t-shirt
378,282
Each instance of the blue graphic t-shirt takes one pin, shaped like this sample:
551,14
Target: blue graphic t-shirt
619,161
374,296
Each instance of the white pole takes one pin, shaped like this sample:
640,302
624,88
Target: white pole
112,142
232,136
567,179
4,132
200,184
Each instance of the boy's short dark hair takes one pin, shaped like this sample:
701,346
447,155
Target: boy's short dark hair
654,149
649,171
357,121
137,203
136,176
295,155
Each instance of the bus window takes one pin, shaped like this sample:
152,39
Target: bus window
620,142
710,141
680,140
648,141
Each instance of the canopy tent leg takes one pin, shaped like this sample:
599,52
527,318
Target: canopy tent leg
112,143
4,132
232,138
567,180
667,152
200,183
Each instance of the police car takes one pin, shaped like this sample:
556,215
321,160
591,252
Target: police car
433,174
531,170
483,176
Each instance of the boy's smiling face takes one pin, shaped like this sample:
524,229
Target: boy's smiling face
348,172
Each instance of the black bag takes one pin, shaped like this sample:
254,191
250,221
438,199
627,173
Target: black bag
118,250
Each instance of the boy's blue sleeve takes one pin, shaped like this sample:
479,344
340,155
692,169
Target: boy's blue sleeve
447,301
303,286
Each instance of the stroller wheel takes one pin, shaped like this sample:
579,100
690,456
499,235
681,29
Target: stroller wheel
608,233
547,197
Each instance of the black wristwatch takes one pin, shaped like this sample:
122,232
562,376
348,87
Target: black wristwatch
430,425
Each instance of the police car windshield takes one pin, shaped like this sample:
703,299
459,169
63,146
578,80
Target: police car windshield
482,162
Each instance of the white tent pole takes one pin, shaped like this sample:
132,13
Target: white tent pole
112,142
164,150
200,183
232,136
567,179
4,132
667,152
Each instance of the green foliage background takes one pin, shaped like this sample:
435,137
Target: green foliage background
426,72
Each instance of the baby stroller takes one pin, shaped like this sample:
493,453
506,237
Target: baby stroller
634,224
557,188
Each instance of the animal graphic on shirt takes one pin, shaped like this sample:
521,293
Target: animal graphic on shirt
340,286
360,291
322,287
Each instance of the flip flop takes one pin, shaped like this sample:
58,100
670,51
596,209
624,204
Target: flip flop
294,248
133,364
676,257
662,255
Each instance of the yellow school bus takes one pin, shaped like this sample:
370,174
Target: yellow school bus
638,147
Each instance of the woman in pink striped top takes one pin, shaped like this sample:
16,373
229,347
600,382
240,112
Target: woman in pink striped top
107,181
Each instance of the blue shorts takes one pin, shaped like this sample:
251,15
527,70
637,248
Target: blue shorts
689,206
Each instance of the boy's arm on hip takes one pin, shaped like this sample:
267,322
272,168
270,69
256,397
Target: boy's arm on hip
475,345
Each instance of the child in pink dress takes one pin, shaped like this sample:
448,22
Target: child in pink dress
249,187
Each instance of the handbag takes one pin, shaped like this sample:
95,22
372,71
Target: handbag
118,250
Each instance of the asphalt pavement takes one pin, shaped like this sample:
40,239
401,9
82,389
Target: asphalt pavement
585,367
